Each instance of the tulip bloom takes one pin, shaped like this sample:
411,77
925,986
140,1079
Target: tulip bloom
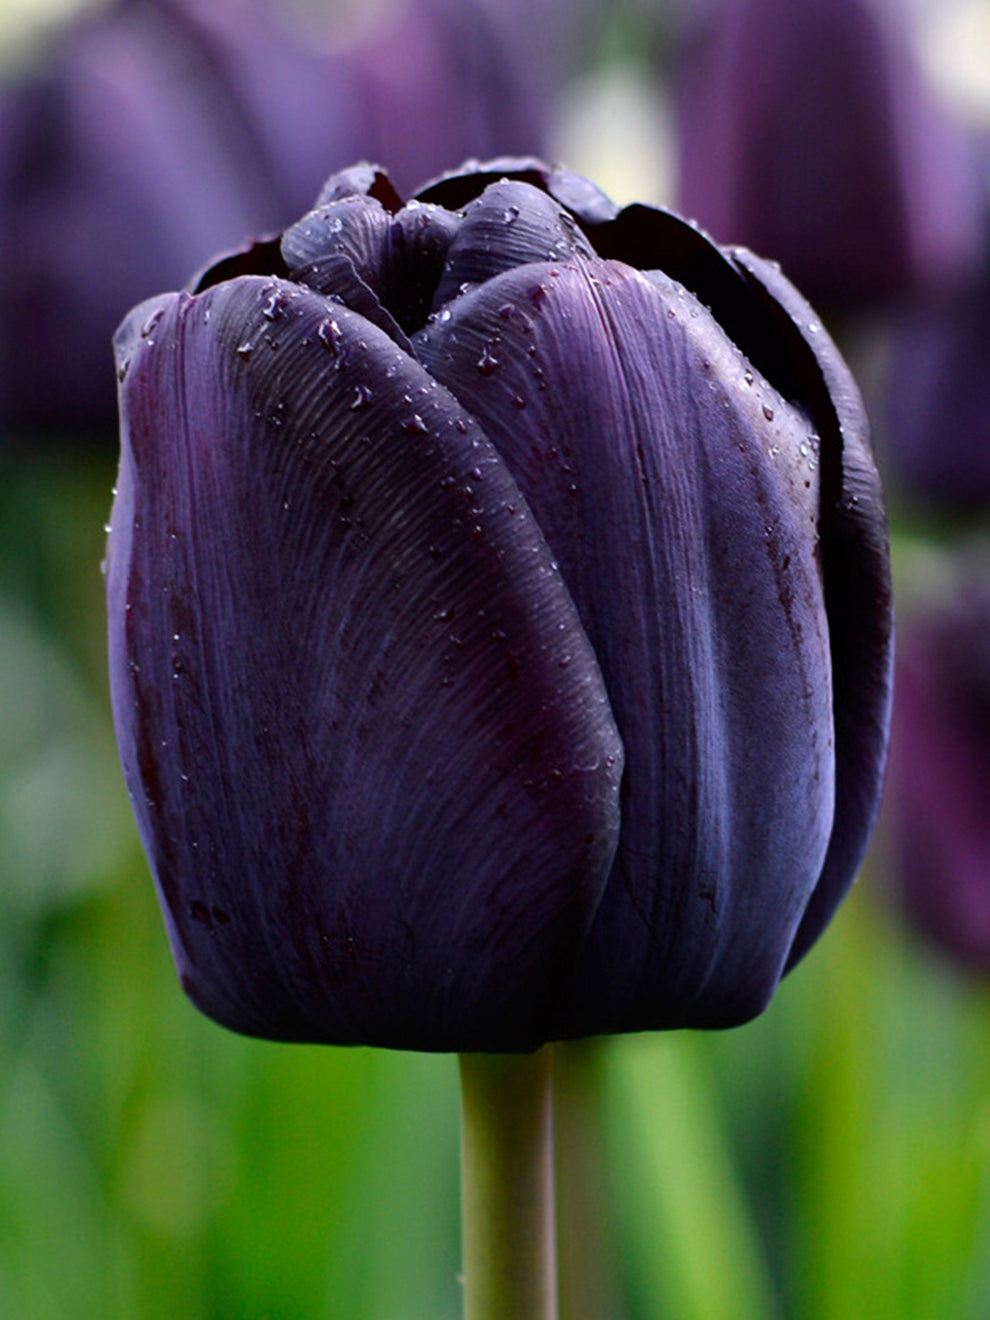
938,396
939,810
499,619
806,130
156,132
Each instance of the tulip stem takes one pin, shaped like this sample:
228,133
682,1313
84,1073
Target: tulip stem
507,1186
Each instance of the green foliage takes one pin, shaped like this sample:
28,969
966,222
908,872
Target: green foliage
830,1161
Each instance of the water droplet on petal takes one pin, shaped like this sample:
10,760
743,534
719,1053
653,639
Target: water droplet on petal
488,361
768,412
244,350
414,425
361,399
329,334
275,306
152,321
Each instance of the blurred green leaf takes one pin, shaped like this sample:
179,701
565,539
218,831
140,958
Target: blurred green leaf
64,818
693,1250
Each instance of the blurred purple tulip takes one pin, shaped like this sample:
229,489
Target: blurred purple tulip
938,394
938,814
161,130
443,80
499,637
806,130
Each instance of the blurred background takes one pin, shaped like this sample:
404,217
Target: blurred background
831,1160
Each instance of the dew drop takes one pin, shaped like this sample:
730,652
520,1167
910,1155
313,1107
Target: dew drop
414,425
244,350
768,412
538,295
488,361
329,334
361,399
275,306
152,321
748,377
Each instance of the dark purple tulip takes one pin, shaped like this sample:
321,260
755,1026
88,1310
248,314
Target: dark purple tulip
806,130
157,131
938,819
499,637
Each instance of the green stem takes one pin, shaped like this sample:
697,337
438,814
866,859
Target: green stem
507,1187
587,1286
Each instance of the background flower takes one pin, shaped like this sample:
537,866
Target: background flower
155,133
939,809
807,131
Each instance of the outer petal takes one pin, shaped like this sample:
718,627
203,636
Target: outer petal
368,744
858,595
679,492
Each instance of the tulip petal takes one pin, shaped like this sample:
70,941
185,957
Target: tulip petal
355,227
510,224
400,257
858,595
458,187
679,492
362,180
367,740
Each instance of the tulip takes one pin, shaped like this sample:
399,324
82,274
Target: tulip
499,619
938,821
807,130
938,395
439,80
156,132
